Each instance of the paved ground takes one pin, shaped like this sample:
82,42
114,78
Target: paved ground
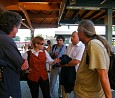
26,91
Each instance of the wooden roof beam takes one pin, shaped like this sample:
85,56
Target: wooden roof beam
87,11
25,25
6,3
57,1
99,16
74,14
4,9
32,16
27,16
91,16
64,14
35,6
44,25
63,5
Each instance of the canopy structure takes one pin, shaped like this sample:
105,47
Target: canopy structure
54,13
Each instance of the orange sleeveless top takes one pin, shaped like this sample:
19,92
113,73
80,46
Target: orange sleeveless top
38,67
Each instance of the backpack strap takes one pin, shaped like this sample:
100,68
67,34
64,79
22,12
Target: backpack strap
28,58
54,47
87,57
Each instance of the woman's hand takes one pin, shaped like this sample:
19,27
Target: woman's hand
25,65
57,60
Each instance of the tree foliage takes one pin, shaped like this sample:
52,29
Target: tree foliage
27,38
17,38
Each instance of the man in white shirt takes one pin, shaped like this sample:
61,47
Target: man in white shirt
74,51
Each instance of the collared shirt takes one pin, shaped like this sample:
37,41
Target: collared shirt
75,51
49,60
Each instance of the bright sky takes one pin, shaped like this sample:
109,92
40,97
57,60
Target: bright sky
22,33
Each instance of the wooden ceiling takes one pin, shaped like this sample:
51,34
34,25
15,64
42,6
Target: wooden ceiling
53,13
95,10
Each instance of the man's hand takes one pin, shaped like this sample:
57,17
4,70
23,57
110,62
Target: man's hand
28,70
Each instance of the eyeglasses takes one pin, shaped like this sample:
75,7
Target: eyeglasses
40,43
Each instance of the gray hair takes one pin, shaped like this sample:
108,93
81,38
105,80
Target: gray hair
88,28
9,19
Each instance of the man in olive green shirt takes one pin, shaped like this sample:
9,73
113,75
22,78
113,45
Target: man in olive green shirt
92,75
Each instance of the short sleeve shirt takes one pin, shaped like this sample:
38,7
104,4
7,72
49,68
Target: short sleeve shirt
75,51
87,83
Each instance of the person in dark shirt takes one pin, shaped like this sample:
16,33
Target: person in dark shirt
11,61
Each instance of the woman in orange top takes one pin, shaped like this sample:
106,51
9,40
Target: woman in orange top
38,75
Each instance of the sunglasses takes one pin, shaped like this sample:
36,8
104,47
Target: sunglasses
40,43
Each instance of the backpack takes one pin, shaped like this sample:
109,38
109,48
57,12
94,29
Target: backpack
111,72
23,74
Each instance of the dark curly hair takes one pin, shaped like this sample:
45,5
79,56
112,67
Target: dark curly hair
9,19
60,37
